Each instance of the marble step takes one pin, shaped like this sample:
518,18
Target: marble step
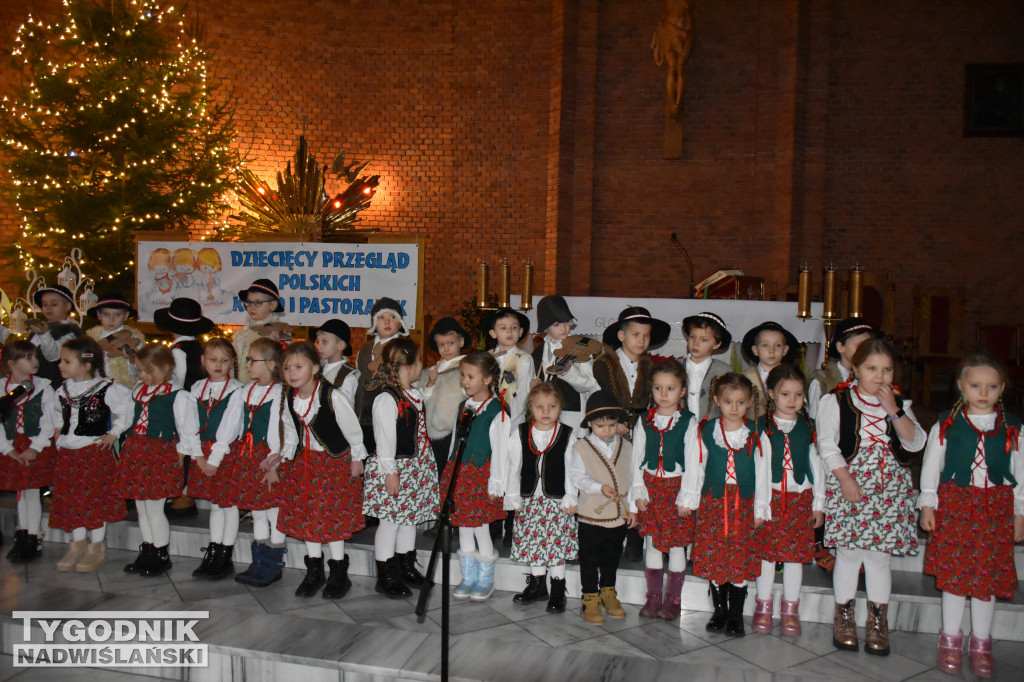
915,604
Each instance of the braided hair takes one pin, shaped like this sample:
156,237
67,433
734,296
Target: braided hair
399,352
786,372
980,359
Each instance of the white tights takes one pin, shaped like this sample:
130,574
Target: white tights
392,539
792,579
557,572
981,615
95,534
30,511
314,550
877,575
476,539
264,526
223,524
153,523
653,558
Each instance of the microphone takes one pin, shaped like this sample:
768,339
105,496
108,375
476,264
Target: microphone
675,240
465,421
10,399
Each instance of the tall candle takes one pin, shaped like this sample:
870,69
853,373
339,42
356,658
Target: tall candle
527,301
803,305
829,303
856,291
506,282
481,292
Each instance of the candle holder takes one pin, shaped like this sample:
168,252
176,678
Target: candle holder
505,293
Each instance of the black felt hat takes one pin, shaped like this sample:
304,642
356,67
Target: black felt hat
379,306
339,329
715,321
851,326
184,316
262,286
603,403
750,340
524,321
551,310
112,301
58,289
447,325
659,328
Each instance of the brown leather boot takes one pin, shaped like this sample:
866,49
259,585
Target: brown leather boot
844,631
611,603
591,608
876,639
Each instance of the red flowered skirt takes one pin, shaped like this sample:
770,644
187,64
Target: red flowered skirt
323,501
149,469
661,521
472,507
17,476
85,488
200,485
970,552
240,480
726,557
789,536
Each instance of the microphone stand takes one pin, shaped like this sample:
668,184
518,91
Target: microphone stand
443,545
675,240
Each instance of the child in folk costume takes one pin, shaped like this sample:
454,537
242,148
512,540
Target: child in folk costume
26,443
264,308
846,338
334,345
151,457
864,433
324,452
534,478
664,448
250,472
706,336
477,502
508,328
214,421
184,319
400,479
972,503
386,323
441,387
601,469
798,498
95,413
732,486
119,343
765,347
56,327
556,321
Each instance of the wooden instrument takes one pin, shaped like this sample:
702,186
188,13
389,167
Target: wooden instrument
122,344
278,331
575,348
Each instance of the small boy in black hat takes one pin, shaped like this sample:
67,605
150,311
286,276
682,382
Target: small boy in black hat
386,323
577,382
440,386
118,342
706,336
56,327
264,307
508,328
765,347
333,340
600,468
846,338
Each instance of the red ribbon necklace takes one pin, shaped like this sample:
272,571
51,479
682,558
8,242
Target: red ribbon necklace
979,452
660,472
529,438
302,418
20,420
247,440
730,470
212,405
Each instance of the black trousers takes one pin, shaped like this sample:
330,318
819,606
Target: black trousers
600,549
441,446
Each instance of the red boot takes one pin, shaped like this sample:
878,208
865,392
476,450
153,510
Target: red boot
673,589
982,663
762,620
653,603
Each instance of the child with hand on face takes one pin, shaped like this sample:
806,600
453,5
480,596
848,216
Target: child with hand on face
440,385
333,341
56,327
846,338
765,347
119,343
575,383
706,336
507,328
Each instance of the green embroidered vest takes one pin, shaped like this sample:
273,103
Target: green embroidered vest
478,442
718,458
800,439
32,411
674,444
209,420
962,443
161,417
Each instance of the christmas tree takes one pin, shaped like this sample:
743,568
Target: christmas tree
112,130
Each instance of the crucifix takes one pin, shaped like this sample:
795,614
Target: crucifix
671,45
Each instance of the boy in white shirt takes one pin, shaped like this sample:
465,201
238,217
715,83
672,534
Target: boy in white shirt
706,336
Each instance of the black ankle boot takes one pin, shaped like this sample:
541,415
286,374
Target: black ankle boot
14,555
314,579
204,568
407,566
506,539
158,563
145,549
388,582
26,547
556,602
734,619
223,566
536,589
720,600
338,583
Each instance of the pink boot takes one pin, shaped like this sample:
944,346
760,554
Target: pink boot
951,651
791,618
980,650
653,603
673,589
762,620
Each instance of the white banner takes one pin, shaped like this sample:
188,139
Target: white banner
317,281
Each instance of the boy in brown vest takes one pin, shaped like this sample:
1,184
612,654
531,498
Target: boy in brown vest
599,467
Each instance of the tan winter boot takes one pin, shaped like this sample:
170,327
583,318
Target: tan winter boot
591,609
876,639
611,603
75,551
844,631
92,558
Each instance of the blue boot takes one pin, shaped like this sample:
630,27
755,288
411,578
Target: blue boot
484,586
266,566
470,571
258,553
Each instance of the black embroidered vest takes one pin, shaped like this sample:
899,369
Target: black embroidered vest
407,425
324,427
549,466
93,413
849,429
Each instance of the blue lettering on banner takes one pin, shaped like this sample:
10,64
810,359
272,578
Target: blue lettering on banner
358,259
336,306
319,282
274,259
